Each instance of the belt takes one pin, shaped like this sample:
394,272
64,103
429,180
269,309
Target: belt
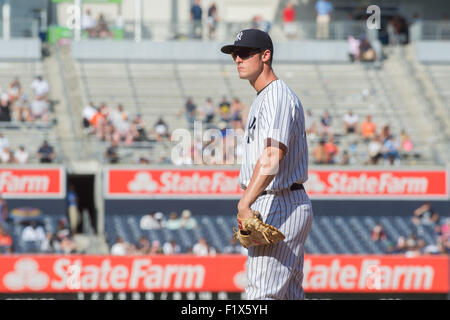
294,186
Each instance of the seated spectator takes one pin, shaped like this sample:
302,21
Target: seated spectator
345,159
236,114
385,133
152,221
5,108
6,156
88,113
156,247
332,150
406,145
22,109
320,155
310,124
208,112
326,122
225,110
368,129
375,150
122,248
68,246
187,221
390,151
353,45
171,247
40,88
46,153
143,246
102,29
161,129
425,214
62,230
138,129
378,233
6,242
202,248
32,236
350,122
111,154
367,54
190,111
173,223
401,246
14,90
89,24
51,244
21,155
39,109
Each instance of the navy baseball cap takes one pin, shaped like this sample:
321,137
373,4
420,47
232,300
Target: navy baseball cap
250,38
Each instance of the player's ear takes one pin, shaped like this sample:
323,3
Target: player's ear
266,56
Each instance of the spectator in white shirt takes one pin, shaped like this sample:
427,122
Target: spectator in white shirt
33,235
21,155
5,156
171,247
88,113
201,248
39,109
121,248
88,23
350,122
40,87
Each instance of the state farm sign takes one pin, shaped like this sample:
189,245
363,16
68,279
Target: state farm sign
388,184
188,273
322,184
26,182
129,183
112,273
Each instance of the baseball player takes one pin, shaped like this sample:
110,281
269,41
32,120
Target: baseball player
274,168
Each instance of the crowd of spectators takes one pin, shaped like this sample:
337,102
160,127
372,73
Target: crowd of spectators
158,221
116,127
414,244
16,106
368,143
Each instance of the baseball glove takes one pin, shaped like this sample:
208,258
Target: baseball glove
254,232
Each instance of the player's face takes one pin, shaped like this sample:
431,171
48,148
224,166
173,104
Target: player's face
248,62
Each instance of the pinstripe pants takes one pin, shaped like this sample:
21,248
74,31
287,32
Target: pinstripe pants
276,271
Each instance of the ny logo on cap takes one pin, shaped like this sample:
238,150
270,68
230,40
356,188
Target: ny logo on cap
239,36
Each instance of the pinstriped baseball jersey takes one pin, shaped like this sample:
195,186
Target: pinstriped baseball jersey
276,113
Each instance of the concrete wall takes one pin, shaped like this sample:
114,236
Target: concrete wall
433,51
20,49
304,51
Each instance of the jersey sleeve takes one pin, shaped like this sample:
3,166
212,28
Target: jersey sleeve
279,116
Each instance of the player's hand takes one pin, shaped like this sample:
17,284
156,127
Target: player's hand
244,211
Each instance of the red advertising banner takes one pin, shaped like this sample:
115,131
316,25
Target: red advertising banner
129,183
321,184
186,273
27,182
386,184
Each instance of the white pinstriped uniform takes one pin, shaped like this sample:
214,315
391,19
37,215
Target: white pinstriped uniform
276,271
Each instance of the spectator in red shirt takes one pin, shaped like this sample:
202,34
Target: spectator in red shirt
332,150
288,20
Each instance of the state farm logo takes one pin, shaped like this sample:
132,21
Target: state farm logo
190,182
25,275
10,182
143,181
367,183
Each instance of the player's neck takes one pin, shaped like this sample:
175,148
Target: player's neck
265,77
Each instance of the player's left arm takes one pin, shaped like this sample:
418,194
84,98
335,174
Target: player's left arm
279,116
264,172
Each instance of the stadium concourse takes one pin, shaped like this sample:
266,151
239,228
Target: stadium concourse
111,184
